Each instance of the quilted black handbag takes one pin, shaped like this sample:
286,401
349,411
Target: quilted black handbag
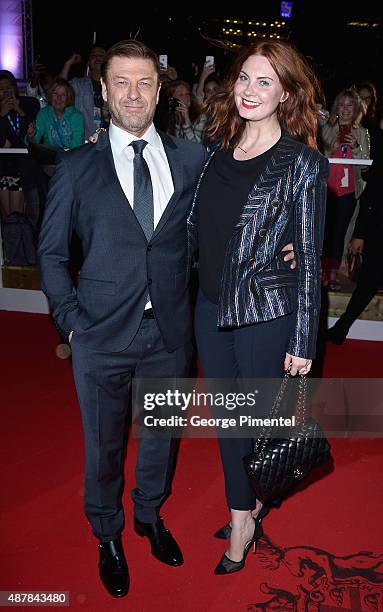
277,464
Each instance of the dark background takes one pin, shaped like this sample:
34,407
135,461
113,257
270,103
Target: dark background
341,55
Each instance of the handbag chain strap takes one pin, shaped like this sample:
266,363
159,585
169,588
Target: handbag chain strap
301,412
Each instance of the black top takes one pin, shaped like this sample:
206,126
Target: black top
223,193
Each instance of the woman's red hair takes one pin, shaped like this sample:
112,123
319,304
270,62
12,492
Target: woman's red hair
297,115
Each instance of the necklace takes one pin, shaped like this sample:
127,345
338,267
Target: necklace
238,147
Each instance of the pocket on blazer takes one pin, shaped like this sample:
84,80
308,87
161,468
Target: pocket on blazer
93,285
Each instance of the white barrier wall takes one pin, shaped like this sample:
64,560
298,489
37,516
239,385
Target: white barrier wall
23,300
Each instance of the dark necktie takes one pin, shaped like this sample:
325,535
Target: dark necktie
143,192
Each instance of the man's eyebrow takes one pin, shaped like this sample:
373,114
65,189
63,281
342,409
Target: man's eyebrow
125,76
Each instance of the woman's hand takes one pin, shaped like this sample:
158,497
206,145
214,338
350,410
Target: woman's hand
206,71
298,364
183,114
75,58
93,139
351,140
5,106
31,132
332,120
356,246
14,104
289,249
171,72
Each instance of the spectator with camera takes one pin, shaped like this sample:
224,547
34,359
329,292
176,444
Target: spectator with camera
367,240
17,172
209,83
184,118
88,91
343,137
40,85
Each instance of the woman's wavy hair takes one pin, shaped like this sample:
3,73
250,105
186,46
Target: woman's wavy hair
297,114
359,108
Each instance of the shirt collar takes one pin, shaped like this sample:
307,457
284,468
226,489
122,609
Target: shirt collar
120,139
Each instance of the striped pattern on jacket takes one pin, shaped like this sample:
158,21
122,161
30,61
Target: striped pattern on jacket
286,204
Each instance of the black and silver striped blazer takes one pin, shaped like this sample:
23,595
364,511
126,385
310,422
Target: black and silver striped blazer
286,204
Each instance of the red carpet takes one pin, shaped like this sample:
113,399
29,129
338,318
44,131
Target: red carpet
323,548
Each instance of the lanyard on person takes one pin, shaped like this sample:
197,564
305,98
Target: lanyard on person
15,128
57,128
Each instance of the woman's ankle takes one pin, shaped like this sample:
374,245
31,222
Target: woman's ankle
257,509
241,520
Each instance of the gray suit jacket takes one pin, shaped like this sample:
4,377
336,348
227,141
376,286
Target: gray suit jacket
120,266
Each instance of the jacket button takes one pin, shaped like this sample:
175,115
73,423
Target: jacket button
149,247
149,281
275,203
262,233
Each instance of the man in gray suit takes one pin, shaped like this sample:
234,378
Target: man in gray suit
127,198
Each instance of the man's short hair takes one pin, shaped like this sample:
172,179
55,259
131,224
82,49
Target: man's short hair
131,49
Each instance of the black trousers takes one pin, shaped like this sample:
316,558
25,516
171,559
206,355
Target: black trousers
370,279
252,351
103,382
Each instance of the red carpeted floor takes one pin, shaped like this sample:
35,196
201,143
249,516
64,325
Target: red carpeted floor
323,548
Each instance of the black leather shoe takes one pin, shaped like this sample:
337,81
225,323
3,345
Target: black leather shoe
113,568
164,546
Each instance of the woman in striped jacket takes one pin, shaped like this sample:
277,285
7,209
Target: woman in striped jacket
263,186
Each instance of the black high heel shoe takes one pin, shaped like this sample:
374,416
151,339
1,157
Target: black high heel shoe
227,566
225,531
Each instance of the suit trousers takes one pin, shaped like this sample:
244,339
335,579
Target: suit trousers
251,351
103,382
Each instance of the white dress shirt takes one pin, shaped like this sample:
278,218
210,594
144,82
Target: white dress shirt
155,156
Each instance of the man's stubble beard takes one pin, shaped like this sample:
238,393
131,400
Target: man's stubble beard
133,124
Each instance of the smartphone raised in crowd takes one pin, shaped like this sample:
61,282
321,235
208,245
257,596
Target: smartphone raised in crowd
163,59
209,62
344,130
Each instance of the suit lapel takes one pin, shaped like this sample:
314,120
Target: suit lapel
108,173
276,167
177,172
